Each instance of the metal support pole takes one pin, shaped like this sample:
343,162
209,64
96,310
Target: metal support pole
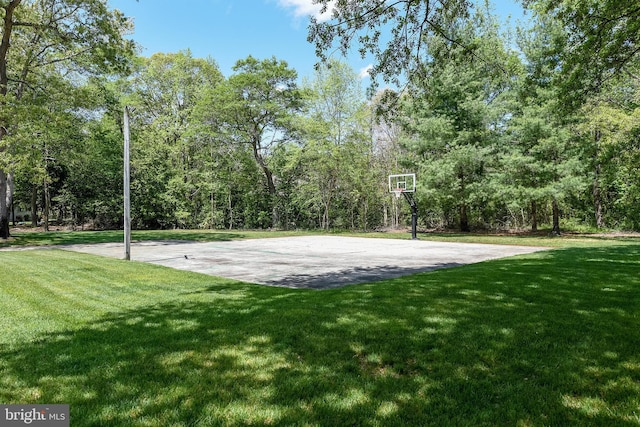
127,208
414,222
414,214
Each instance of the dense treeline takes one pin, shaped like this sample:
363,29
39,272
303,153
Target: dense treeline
499,137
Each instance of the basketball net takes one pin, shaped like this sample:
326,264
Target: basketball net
398,192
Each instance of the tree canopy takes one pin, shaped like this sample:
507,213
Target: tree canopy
393,32
503,132
603,40
44,41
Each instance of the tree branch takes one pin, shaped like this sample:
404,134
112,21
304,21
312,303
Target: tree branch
630,74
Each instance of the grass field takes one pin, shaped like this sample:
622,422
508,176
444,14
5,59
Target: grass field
551,338
29,238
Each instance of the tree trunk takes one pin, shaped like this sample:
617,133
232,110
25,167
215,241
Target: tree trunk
271,187
596,191
213,210
4,225
46,204
6,200
325,215
34,206
6,178
385,215
464,218
4,208
534,216
556,218
275,217
230,211
597,198
365,216
6,192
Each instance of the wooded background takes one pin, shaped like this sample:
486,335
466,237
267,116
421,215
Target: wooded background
506,128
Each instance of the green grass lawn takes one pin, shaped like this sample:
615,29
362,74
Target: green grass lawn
29,238
546,339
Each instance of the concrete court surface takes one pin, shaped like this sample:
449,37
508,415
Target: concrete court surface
310,262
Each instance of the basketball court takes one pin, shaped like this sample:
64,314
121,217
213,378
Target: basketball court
309,262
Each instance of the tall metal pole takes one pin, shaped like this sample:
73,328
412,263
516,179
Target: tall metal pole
127,207
414,221
414,215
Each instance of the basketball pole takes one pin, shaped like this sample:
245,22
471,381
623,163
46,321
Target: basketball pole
414,214
127,207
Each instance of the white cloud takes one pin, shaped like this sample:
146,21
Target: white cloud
364,72
304,8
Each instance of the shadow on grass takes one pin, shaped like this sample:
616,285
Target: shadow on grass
530,340
351,276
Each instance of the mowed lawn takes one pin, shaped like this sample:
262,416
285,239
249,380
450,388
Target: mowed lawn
551,338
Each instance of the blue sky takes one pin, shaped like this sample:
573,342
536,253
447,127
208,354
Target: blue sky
229,30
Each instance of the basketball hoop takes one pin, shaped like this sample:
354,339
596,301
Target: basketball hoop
405,184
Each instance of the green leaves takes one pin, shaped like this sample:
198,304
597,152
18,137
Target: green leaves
407,22
48,47
603,39
448,121
337,181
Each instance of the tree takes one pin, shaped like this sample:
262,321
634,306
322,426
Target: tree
254,108
50,134
604,36
409,23
93,189
602,45
336,145
542,161
387,154
69,37
609,130
171,157
452,114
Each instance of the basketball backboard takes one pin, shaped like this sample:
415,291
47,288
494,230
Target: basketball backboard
402,183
